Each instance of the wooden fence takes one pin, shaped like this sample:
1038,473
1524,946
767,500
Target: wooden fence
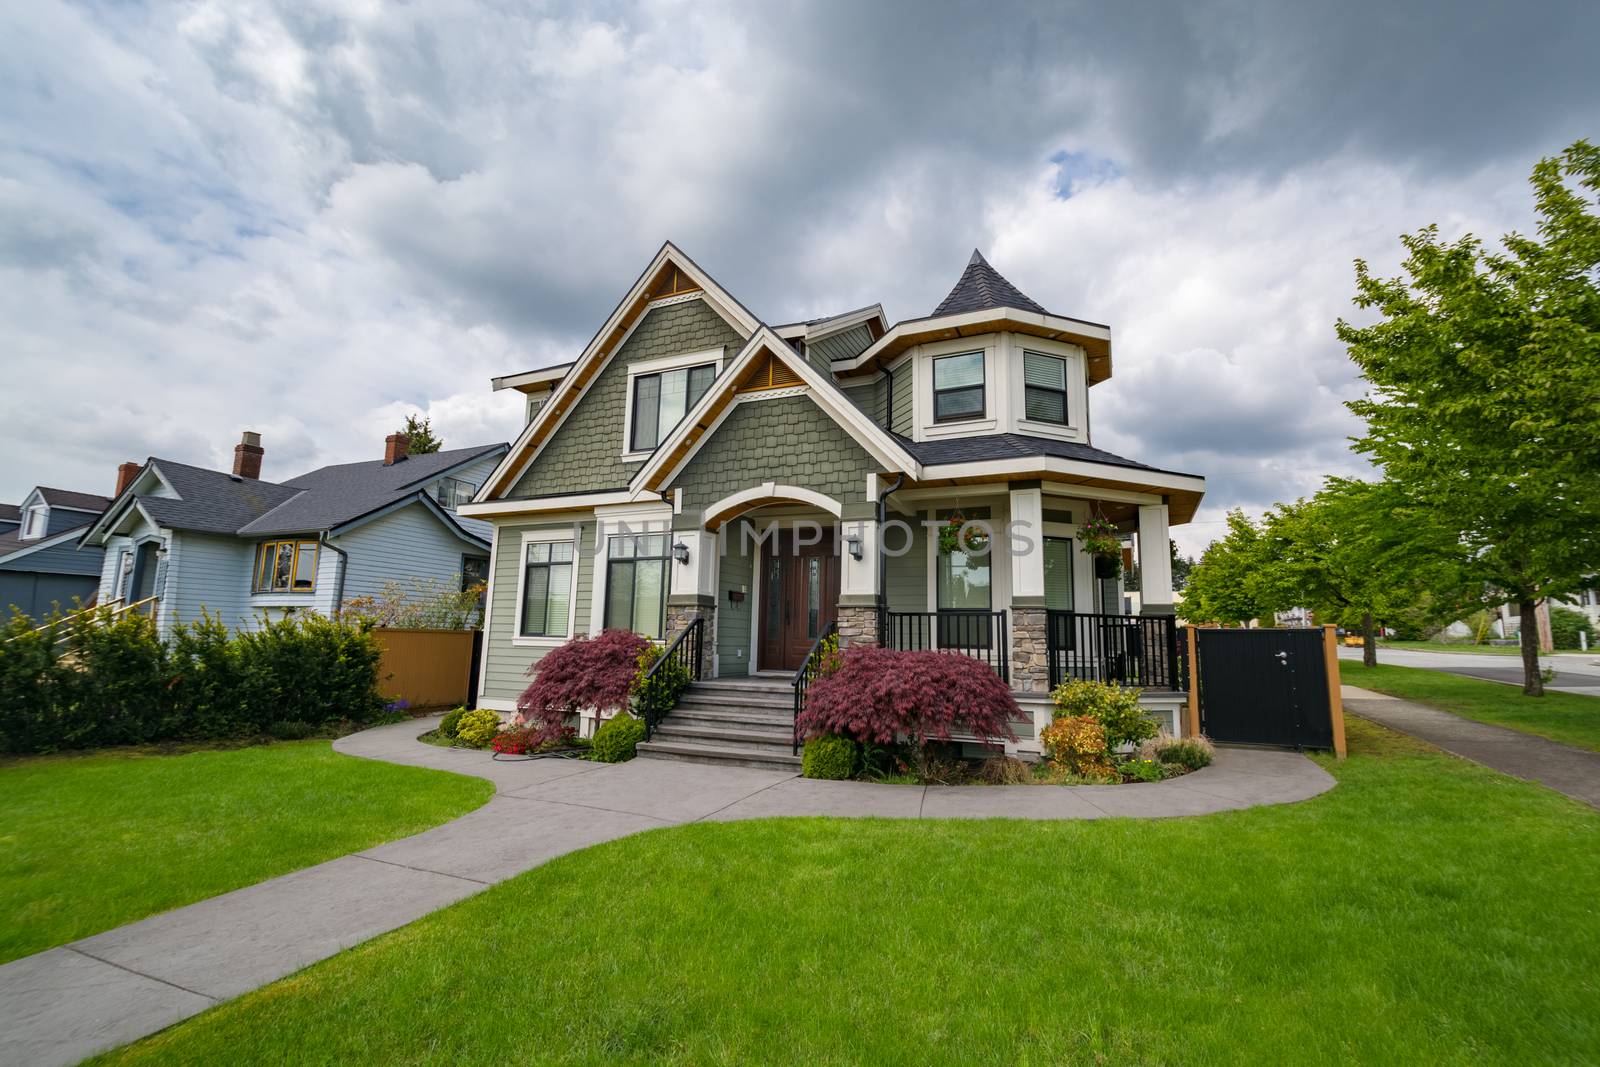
428,668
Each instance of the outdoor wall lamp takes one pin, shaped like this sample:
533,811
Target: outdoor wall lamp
852,543
680,552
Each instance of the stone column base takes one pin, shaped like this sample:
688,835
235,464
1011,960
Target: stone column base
858,625
680,615
1030,664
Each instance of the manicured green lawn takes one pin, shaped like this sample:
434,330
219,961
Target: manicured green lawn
1425,911
91,842
1569,717
1451,646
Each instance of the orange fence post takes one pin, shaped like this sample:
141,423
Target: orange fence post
1330,653
1192,711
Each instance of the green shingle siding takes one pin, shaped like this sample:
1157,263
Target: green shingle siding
790,441
586,453
506,670
900,417
869,398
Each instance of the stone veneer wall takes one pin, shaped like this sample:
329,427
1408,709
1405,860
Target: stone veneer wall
680,615
1030,665
857,626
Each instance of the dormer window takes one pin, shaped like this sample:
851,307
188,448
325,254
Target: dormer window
453,492
958,387
34,522
1044,383
660,401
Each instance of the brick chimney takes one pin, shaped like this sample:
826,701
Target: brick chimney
126,473
247,456
395,447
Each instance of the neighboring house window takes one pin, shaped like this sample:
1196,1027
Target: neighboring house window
964,586
1058,573
452,492
474,571
286,567
636,583
546,589
660,401
34,522
958,387
1044,386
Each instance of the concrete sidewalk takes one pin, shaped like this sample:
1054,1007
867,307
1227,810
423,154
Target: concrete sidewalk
66,1003
1569,770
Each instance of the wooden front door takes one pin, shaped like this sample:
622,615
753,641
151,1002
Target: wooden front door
799,597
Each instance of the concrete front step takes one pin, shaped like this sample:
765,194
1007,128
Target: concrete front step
737,718
728,702
719,754
732,737
760,687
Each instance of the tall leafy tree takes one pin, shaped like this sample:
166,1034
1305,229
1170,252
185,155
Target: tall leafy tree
420,432
1228,585
1484,407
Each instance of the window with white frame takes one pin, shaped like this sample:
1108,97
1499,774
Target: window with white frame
958,387
547,574
453,492
1044,386
636,583
34,522
1058,573
660,401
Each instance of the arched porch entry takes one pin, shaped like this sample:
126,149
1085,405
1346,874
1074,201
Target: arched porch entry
779,574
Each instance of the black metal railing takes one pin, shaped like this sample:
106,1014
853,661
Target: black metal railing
1138,650
979,634
669,676
806,675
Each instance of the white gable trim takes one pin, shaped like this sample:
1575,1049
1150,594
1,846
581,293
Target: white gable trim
773,491
720,300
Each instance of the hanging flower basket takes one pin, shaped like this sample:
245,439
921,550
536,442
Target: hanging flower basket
1099,538
976,542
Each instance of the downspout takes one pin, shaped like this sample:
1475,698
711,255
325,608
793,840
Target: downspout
883,511
344,565
888,400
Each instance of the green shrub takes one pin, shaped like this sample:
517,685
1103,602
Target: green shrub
618,738
477,727
665,688
1077,745
1190,753
1566,625
452,720
1143,770
290,730
1113,707
829,757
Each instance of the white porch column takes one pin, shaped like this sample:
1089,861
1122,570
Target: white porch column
1155,561
858,582
1027,546
698,576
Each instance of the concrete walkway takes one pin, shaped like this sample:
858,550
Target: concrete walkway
1569,770
67,1003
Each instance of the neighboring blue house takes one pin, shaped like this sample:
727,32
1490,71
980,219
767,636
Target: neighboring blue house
241,547
42,567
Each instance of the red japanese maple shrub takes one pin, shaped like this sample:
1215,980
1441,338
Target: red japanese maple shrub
881,695
585,672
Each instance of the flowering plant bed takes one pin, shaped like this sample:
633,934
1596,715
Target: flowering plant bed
898,765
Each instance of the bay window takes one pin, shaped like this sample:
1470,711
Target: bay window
286,567
1044,385
958,387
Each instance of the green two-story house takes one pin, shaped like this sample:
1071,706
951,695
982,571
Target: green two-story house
770,484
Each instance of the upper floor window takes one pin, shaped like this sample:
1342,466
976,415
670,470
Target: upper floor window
958,387
1044,384
34,522
451,492
286,567
660,401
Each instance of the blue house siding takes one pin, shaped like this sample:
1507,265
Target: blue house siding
36,594
407,543
477,473
208,573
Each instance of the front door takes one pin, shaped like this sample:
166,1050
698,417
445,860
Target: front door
799,597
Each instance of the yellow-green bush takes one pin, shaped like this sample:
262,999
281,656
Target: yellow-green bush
478,727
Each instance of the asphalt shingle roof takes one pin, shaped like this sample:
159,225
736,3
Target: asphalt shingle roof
66,498
212,501
980,288
11,511
334,495
1012,446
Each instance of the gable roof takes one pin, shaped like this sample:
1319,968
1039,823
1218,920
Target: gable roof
66,498
332,496
980,288
700,424
210,501
669,274
13,547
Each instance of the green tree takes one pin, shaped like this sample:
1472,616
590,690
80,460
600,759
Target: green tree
420,432
1227,584
1566,625
1181,566
1484,401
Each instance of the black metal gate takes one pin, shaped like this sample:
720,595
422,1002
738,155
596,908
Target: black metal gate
1264,687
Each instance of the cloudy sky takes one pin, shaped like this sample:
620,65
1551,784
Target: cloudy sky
311,219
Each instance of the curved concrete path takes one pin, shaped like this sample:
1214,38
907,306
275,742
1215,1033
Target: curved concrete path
66,1003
